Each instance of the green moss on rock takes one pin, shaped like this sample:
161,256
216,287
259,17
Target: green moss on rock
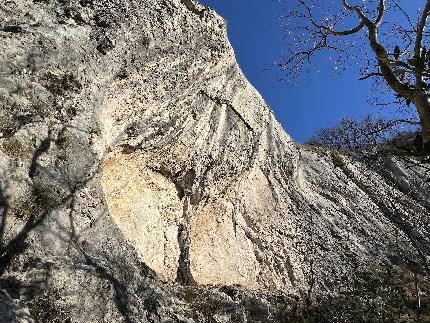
14,148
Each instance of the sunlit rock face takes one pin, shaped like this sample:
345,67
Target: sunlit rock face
146,208
153,164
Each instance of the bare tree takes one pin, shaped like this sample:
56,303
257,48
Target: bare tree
383,38
368,133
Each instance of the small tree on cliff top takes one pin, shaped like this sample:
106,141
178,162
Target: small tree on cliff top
386,40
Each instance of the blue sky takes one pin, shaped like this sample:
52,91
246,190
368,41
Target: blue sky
315,102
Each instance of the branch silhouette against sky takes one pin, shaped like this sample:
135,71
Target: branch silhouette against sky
317,100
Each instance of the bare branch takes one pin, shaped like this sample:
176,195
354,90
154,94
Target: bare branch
359,12
381,11
350,31
419,38
329,30
398,63
369,76
384,63
390,124
420,29
408,18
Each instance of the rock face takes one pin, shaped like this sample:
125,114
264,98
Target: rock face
12,311
136,161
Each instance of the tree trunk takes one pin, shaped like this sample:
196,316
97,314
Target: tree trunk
422,104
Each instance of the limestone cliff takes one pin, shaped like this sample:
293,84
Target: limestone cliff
136,160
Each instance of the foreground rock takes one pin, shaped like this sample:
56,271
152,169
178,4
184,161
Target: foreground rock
139,167
11,311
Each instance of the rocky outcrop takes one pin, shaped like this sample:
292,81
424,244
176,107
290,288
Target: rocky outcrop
139,168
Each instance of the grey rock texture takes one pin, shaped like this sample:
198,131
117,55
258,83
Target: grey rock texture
143,179
11,311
